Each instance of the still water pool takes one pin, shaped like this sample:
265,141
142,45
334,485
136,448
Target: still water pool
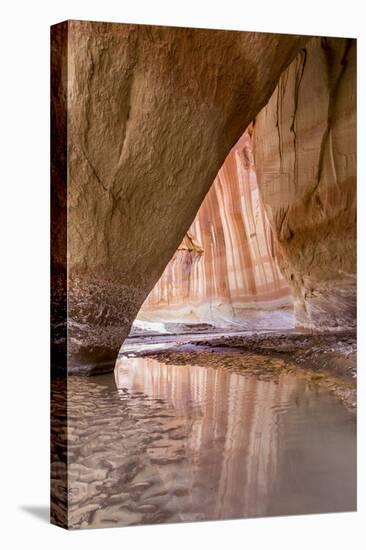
158,442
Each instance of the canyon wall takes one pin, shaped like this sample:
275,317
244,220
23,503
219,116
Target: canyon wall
225,270
305,155
142,119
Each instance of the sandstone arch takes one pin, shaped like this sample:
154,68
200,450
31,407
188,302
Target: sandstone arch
305,166
151,114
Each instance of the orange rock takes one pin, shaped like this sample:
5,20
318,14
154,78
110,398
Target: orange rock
231,272
305,153
142,119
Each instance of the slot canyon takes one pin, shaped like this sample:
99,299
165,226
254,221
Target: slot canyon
225,271
203,223
141,163
292,241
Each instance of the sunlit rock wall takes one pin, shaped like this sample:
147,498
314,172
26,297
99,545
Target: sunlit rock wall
142,119
225,269
305,155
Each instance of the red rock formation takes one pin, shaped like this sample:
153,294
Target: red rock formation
225,268
152,112
305,153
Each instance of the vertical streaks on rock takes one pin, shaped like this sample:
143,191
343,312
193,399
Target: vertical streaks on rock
233,270
152,114
305,153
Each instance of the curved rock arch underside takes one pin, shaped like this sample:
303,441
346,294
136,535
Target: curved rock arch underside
142,120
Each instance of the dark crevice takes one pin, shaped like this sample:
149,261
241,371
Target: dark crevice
332,96
297,89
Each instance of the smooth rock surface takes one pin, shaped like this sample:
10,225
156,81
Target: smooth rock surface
305,156
152,114
225,270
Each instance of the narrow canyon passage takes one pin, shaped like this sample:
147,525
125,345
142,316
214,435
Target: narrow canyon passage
218,407
225,272
276,231
139,165
152,114
211,277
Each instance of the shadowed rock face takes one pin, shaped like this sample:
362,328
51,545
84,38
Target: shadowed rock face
225,270
152,114
305,155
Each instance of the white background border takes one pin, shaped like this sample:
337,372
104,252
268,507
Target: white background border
24,170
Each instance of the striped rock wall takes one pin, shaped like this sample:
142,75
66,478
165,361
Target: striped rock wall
225,270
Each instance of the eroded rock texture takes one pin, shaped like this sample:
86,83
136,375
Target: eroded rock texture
305,153
152,114
225,270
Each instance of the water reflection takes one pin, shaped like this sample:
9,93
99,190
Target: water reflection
181,443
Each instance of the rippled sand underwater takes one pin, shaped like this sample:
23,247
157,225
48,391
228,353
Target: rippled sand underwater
161,442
